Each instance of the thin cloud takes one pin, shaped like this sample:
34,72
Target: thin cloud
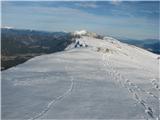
87,5
115,2
65,18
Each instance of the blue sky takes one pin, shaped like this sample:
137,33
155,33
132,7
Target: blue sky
136,20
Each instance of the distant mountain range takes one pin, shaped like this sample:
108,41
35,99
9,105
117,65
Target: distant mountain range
27,41
152,45
20,45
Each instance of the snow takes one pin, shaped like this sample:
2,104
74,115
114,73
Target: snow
106,80
111,40
80,32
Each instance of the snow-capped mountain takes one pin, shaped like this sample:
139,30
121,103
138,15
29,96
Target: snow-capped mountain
94,78
81,32
86,33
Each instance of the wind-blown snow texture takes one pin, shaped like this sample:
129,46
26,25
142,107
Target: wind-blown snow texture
100,79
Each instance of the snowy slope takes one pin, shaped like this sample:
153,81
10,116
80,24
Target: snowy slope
92,79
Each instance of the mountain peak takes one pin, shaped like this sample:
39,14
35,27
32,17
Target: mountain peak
80,32
87,33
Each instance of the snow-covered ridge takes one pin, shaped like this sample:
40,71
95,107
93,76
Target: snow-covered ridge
111,39
92,40
94,79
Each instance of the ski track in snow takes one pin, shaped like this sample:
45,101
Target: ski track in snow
54,101
132,88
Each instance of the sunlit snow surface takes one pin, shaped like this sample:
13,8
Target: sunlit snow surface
106,80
